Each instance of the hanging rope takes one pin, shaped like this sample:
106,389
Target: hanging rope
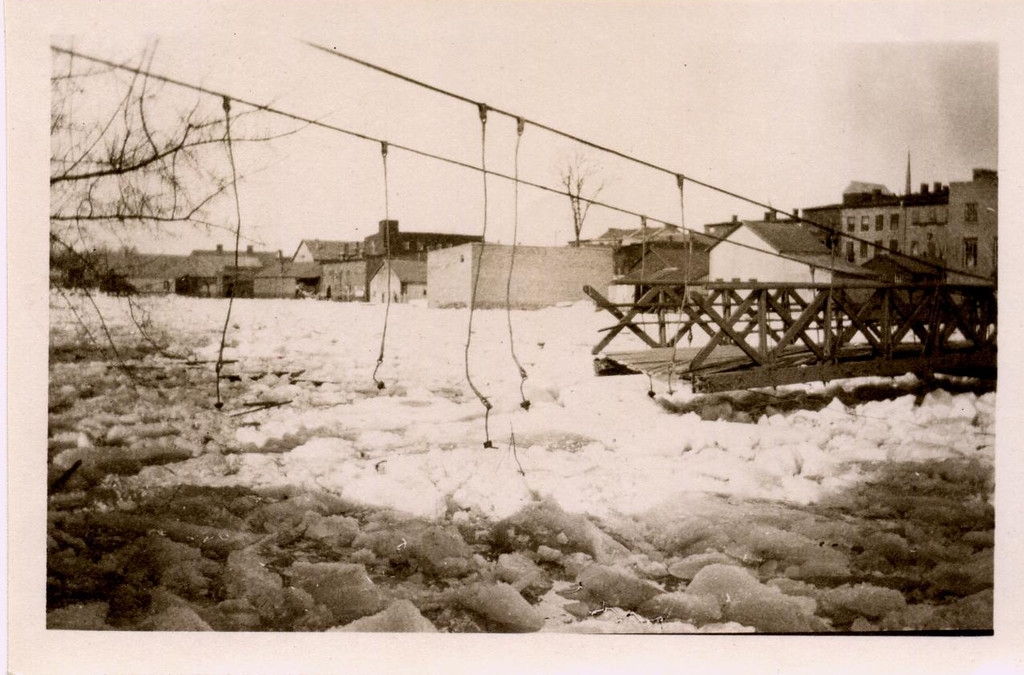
476,280
525,404
681,182
643,280
238,233
387,254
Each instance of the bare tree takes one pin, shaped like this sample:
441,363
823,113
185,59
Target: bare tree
578,177
130,155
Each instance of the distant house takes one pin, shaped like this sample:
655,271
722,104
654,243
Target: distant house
408,281
214,273
143,272
286,279
777,251
322,250
677,265
542,276
643,252
342,267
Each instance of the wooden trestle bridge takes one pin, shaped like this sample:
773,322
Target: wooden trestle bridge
749,335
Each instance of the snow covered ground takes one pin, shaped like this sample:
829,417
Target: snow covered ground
861,505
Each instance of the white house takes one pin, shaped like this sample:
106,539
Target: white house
408,282
781,251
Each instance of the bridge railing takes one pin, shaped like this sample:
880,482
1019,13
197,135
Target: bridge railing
778,331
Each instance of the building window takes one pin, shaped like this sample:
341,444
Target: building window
865,222
942,212
894,246
894,221
407,245
914,250
971,212
970,252
850,224
879,222
850,252
863,249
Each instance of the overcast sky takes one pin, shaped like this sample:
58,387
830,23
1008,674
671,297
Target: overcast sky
783,103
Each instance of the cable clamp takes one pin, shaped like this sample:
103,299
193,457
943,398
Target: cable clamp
482,107
680,179
226,104
520,126
384,148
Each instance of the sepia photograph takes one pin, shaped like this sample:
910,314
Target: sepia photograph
557,320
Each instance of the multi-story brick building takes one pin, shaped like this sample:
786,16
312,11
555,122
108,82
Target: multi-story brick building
973,226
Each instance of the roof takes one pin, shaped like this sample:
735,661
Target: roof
826,261
674,261
675,276
787,236
291,269
408,271
214,263
146,265
324,249
665,233
859,187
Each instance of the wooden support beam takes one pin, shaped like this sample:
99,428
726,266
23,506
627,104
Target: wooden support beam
624,321
726,330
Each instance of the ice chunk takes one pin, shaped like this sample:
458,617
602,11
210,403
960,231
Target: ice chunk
615,587
345,589
522,573
696,609
502,604
846,603
400,617
688,567
747,601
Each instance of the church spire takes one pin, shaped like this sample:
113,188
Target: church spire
906,190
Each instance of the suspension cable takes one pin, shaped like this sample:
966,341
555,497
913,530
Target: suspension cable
525,403
597,146
476,280
387,253
226,104
355,134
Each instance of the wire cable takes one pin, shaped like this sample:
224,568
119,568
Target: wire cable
611,151
355,134
476,281
387,253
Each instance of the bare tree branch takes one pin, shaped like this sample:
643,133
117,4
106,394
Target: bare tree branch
577,175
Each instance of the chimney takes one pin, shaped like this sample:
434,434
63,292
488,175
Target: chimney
220,248
248,249
735,218
937,187
924,188
769,216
